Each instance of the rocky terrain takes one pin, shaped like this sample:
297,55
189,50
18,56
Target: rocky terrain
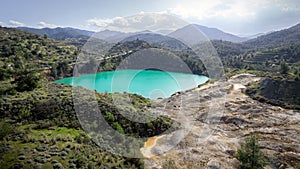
216,118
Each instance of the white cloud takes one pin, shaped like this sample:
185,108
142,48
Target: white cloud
237,16
206,9
16,23
139,22
43,24
288,5
1,23
199,9
99,22
233,16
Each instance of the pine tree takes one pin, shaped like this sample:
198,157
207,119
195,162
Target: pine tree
249,154
284,68
26,78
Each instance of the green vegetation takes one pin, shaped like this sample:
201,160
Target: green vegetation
284,68
6,129
39,126
276,91
25,58
57,147
26,78
280,65
46,117
169,164
121,51
249,154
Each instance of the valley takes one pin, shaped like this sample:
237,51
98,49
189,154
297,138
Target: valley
202,127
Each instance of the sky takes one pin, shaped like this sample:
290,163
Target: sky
240,17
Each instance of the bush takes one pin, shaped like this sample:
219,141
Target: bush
6,129
26,78
249,154
169,164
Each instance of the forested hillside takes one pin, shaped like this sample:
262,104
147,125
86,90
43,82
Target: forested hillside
276,56
276,39
59,33
39,126
25,59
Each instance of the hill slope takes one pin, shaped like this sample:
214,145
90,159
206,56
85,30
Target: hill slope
158,40
59,33
276,39
22,52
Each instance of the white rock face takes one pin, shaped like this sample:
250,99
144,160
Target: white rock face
279,128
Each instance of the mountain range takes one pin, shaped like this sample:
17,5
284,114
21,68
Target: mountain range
59,33
277,38
191,33
115,36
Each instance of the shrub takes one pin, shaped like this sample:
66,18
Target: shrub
6,129
249,154
24,113
169,164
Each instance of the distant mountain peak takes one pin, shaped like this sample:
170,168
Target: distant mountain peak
195,33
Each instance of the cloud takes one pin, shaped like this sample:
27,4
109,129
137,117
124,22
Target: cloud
1,23
16,23
43,24
206,9
139,22
233,16
239,16
199,9
100,23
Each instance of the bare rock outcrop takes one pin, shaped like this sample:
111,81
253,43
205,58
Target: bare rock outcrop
219,117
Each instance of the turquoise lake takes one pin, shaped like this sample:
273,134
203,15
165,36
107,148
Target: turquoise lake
151,84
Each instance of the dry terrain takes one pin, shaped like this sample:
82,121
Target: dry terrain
216,118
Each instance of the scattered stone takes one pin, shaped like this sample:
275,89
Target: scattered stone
47,155
41,148
54,161
54,149
57,166
16,138
63,153
8,145
72,161
40,160
21,157
18,165
37,166
230,152
21,154
29,161
51,128
53,153
67,150
72,165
